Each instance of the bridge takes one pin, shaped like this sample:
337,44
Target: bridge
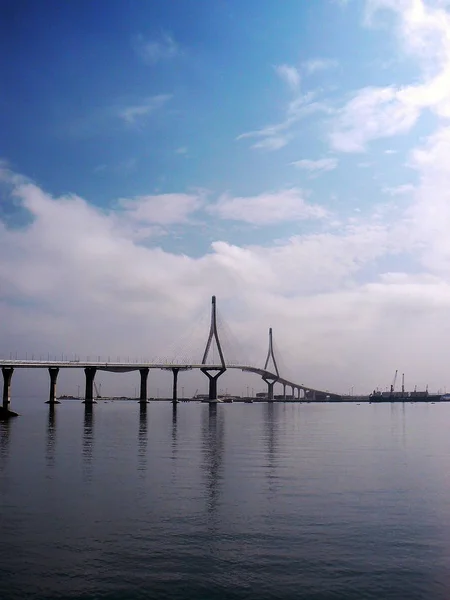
270,376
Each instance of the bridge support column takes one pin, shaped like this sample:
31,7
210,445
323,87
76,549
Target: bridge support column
143,389
284,392
89,390
175,371
270,385
5,411
53,372
7,376
213,382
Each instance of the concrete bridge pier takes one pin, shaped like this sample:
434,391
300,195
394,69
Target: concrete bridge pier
175,371
284,392
5,411
89,390
143,388
213,382
7,376
53,372
270,385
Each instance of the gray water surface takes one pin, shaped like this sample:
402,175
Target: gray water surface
308,501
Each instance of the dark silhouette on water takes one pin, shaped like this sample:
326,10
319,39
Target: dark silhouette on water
5,433
142,436
51,436
270,433
88,440
174,430
213,433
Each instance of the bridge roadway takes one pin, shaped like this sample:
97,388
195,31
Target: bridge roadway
91,367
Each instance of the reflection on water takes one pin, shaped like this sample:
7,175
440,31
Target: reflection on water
263,501
403,424
270,432
142,437
5,431
213,440
88,440
174,430
270,438
51,436
398,422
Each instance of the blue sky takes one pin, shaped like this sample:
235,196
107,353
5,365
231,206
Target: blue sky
290,157
111,100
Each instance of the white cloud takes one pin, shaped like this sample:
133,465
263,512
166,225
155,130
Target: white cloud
76,278
430,213
289,75
161,209
181,150
316,166
134,113
319,64
272,142
274,137
377,112
372,113
399,190
155,50
268,208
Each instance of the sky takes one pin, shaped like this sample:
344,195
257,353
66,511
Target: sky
290,158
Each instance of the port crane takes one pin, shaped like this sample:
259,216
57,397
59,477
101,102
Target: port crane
97,390
394,381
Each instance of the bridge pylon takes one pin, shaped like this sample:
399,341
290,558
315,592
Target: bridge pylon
268,377
213,373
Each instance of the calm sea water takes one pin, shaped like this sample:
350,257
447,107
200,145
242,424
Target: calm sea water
235,501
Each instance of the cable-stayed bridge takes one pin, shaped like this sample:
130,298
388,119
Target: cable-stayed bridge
213,369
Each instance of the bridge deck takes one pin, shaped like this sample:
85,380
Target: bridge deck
125,367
